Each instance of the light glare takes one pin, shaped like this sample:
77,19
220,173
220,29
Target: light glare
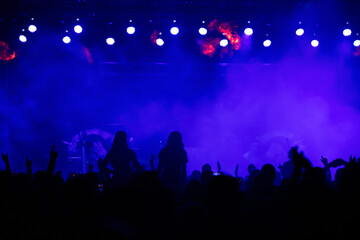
248,31
174,30
203,31
357,43
130,30
159,42
300,32
78,29
22,38
347,32
224,42
32,28
267,43
315,43
110,41
66,39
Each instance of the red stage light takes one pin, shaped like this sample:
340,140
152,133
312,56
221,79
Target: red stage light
5,53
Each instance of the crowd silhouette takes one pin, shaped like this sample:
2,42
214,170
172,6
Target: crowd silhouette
125,201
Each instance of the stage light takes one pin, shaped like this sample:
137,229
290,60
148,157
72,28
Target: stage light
110,41
78,29
315,43
357,43
130,30
248,31
66,39
159,42
267,43
347,32
224,42
32,28
174,30
300,32
22,38
202,31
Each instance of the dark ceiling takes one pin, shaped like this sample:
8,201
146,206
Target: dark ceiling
175,8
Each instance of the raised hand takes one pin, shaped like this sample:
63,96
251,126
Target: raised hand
53,154
28,162
237,171
28,166
352,159
218,166
280,166
324,161
5,158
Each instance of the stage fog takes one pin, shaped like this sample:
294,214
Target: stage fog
241,111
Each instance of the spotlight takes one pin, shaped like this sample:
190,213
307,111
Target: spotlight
224,42
347,32
357,43
267,43
78,29
315,43
110,41
248,31
22,38
66,39
32,28
159,42
130,30
202,31
174,30
300,32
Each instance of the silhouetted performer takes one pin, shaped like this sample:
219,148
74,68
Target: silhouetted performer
121,158
172,162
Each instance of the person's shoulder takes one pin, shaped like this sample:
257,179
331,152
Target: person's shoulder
162,151
131,152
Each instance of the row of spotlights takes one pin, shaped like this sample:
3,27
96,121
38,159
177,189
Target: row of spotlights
160,42
202,31
175,30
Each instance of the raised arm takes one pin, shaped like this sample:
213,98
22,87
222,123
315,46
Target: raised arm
237,171
5,158
53,157
28,166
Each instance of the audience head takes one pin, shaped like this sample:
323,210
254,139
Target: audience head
268,173
175,141
251,167
120,140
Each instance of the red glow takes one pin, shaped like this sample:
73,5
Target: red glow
228,31
154,36
213,25
357,53
5,53
209,46
235,41
88,55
